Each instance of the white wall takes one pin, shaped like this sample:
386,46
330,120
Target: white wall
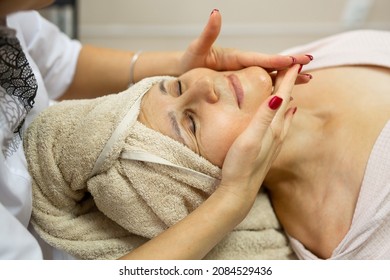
262,25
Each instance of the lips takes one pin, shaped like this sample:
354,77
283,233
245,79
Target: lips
237,88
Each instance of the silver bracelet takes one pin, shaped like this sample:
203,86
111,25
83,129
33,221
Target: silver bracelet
132,64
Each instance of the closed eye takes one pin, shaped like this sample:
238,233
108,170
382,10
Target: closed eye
189,115
192,123
179,88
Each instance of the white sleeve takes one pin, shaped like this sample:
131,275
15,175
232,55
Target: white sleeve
54,53
16,242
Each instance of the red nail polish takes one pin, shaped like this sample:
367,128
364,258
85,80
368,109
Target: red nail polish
308,75
309,56
213,11
300,68
295,110
275,102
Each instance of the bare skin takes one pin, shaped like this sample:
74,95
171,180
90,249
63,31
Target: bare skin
101,71
315,180
325,154
244,168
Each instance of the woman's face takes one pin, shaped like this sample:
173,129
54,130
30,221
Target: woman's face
204,109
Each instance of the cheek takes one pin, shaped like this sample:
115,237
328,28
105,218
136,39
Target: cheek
219,135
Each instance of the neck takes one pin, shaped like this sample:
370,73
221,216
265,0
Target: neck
302,149
314,183
298,180
307,181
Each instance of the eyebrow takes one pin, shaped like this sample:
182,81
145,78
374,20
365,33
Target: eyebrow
162,87
172,117
175,126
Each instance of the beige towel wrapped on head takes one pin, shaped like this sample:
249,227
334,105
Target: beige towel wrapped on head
103,183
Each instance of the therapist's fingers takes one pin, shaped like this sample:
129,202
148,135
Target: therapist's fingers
285,82
269,62
201,52
286,77
302,78
273,111
254,150
248,151
209,35
255,140
281,62
283,88
252,153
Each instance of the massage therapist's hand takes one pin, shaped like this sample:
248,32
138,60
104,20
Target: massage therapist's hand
202,53
247,162
250,156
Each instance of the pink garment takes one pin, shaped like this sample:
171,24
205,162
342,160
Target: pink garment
370,47
369,235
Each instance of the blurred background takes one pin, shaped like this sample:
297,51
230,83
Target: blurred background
261,25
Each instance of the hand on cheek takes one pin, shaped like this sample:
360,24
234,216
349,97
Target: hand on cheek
252,153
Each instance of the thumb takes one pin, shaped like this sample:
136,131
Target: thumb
210,32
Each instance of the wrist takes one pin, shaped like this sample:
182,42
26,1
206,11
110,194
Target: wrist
234,204
151,64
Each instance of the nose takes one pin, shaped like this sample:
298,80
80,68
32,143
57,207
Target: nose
203,90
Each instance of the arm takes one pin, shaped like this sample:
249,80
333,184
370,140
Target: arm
101,71
194,236
243,172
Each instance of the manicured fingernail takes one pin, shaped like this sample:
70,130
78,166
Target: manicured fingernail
310,56
295,110
300,68
275,102
308,75
294,60
213,11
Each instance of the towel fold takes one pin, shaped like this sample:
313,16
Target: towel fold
95,198
258,237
